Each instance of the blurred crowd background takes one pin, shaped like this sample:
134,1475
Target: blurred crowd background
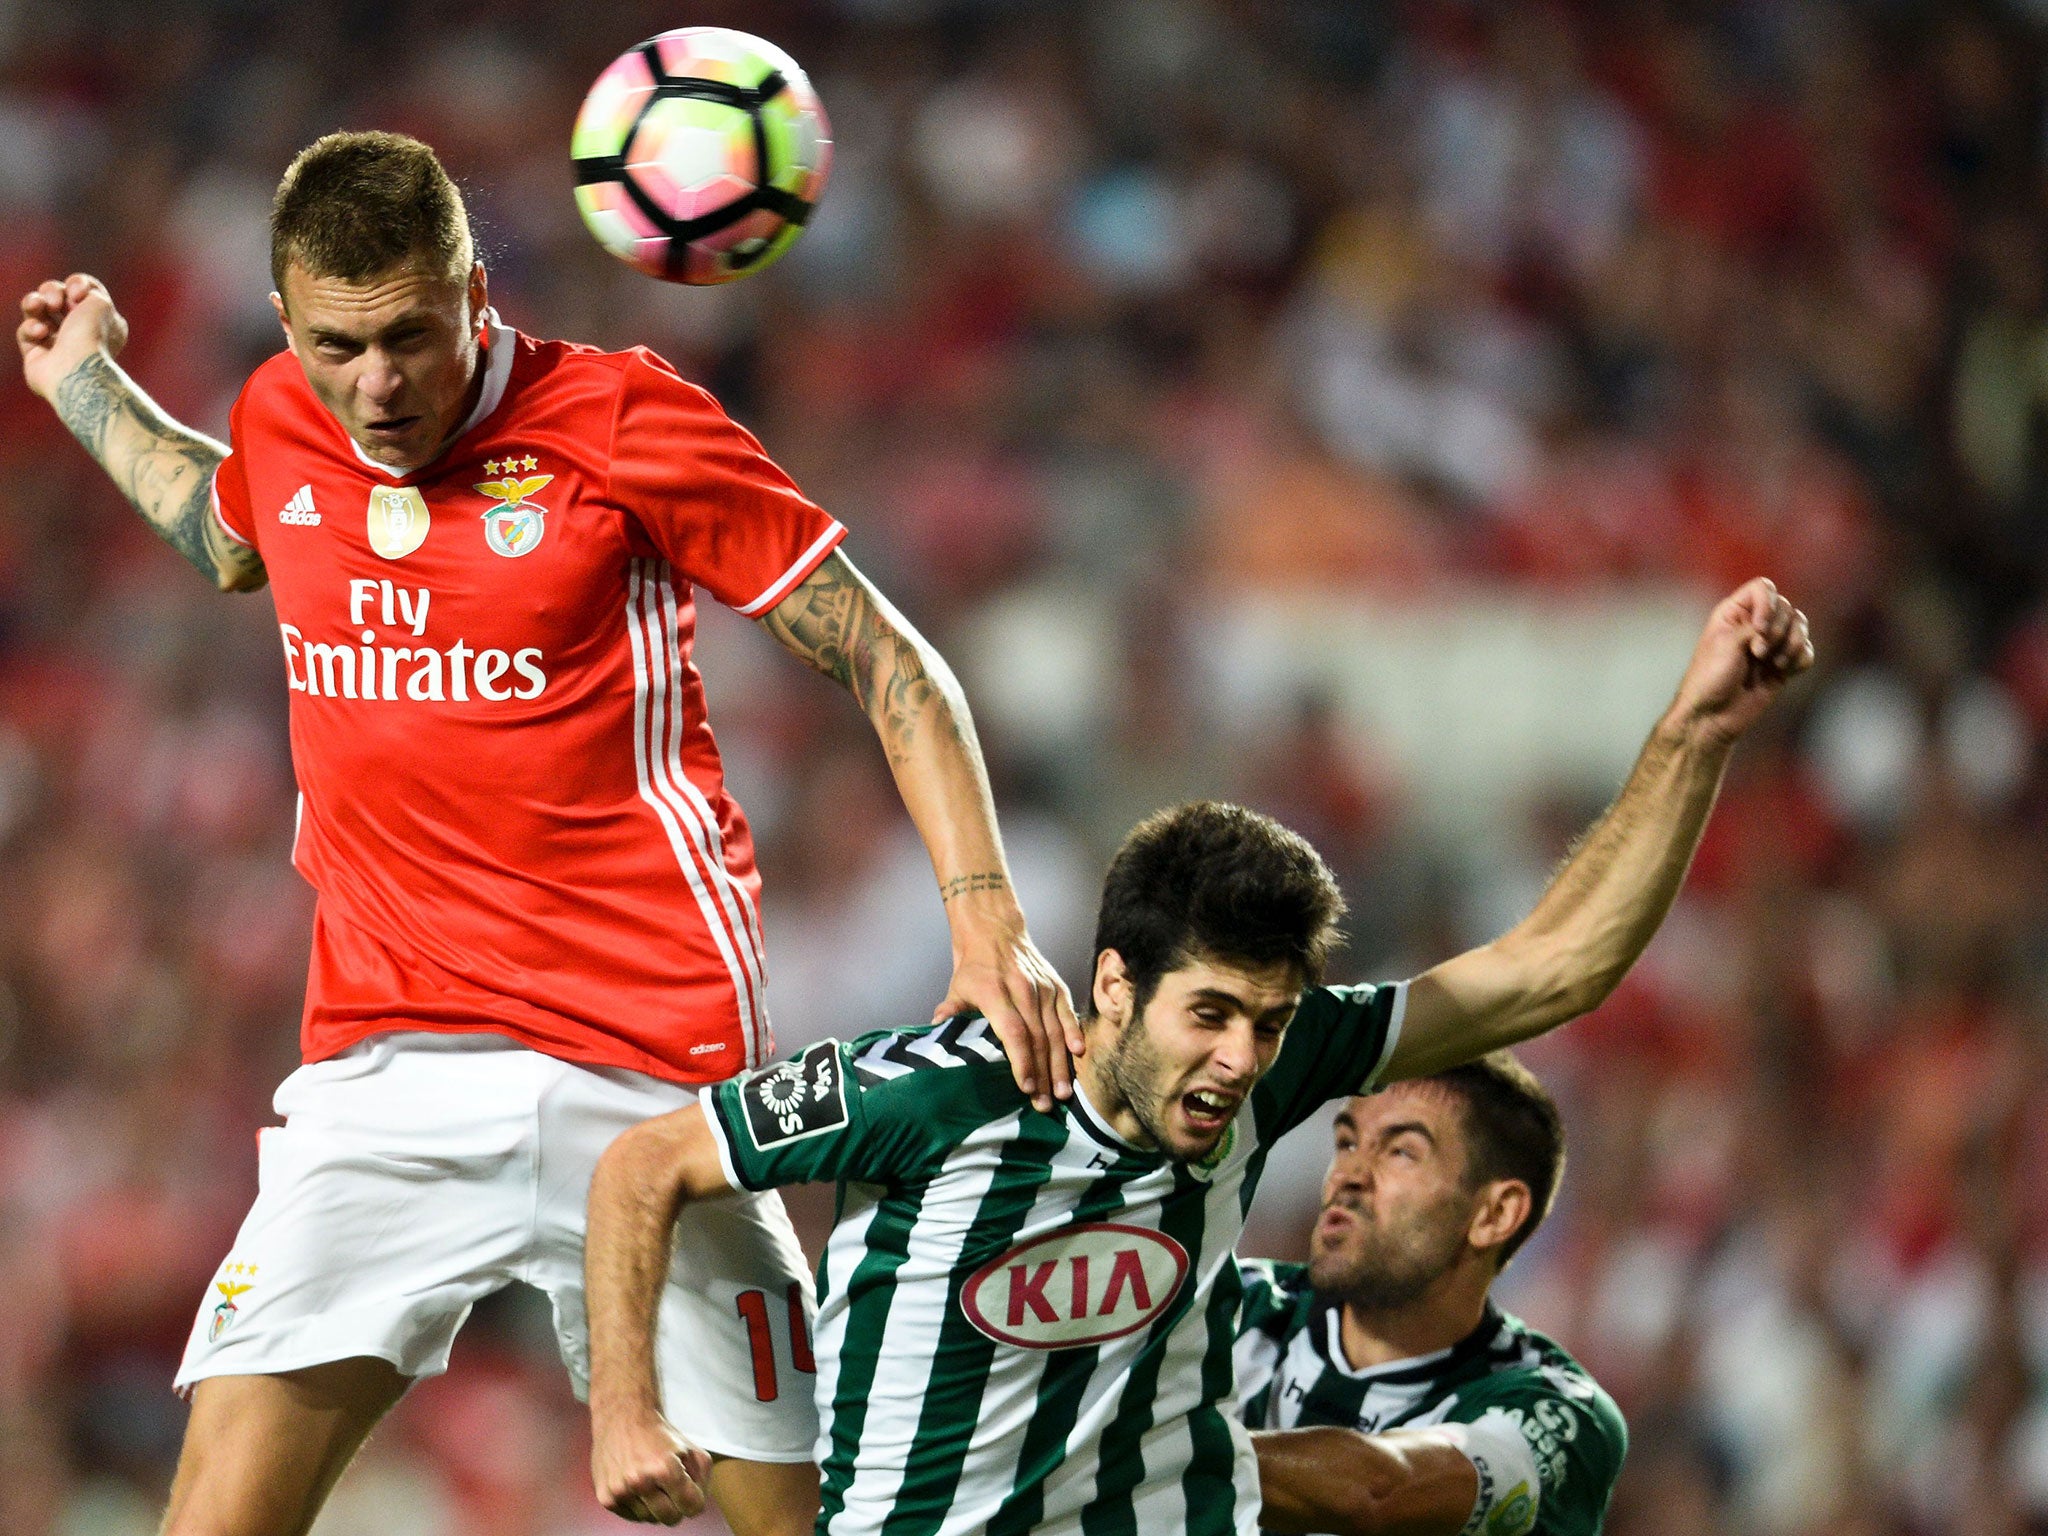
1349,408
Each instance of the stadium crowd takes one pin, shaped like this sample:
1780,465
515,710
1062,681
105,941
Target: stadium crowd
1126,314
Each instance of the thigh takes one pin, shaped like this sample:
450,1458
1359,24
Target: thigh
765,1498
262,1452
387,1204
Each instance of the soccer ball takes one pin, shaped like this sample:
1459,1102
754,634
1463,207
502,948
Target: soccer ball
700,154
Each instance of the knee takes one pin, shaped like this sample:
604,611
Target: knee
790,1521
199,1511
766,1498
208,1499
261,1452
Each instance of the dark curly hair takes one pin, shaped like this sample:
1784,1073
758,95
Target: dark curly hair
1216,880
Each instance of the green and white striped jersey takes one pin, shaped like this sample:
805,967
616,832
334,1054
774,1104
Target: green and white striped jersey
1025,1323
1291,1372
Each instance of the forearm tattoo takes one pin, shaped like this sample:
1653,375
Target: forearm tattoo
837,629
163,469
968,885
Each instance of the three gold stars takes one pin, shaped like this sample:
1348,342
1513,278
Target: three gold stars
229,1287
507,465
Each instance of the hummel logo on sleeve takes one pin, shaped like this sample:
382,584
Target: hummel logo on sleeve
299,509
804,1096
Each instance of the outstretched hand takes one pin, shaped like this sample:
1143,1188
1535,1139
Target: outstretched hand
645,1470
998,972
1754,643
62,324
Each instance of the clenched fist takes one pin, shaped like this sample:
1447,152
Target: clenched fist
643,1469
62,324
1754,643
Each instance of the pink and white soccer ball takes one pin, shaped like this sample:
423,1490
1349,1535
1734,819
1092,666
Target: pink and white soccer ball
700,155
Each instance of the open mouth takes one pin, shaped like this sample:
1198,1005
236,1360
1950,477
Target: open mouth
392,426
1208,1110
1335,1219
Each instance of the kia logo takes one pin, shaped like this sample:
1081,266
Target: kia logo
1079,1285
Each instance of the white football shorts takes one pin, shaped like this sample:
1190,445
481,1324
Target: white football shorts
416,1173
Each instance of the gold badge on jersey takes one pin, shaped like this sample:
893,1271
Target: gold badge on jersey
398,521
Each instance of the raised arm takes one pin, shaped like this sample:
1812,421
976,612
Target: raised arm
1401,1483
841,626
1607,900
641,1467
69,335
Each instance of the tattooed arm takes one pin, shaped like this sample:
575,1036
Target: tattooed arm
841,626
68,336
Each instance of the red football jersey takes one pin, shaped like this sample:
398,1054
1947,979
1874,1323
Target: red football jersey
510,802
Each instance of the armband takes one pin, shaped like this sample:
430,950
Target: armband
1509,1492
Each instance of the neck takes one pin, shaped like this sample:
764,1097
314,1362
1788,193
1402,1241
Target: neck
479,366
1108,1100
1447,1312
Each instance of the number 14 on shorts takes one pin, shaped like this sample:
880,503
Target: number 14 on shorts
753,1310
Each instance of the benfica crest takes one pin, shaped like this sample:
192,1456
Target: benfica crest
229,1288
514,527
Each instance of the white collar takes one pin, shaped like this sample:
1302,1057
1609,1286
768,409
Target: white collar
1342,1362
1095,1121
498,347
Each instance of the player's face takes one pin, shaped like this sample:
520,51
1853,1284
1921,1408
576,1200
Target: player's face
394,356
1184,1065
1396,1209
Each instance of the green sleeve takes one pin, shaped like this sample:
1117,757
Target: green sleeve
1574,1431
1275,1302
1337,1045
1275,1297
820,1117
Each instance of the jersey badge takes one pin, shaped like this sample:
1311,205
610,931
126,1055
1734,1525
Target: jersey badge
398,520
514,526
1204,1167
1516,1514
804,1096
230,1287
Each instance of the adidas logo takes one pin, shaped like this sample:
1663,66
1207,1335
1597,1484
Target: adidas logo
300,509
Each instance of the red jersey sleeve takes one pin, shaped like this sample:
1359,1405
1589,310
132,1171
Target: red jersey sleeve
709,497
231,486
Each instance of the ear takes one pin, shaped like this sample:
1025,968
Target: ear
1112,990
1498,1213
283,318
479,297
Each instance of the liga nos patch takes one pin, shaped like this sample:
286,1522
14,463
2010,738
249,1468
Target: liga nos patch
804,1096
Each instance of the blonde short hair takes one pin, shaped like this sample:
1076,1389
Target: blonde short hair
353,205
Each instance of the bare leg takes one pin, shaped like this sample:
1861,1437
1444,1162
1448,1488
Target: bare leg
262,1452
765,1498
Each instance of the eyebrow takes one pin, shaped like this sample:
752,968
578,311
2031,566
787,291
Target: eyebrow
1232,1000
402,323
1406,1126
